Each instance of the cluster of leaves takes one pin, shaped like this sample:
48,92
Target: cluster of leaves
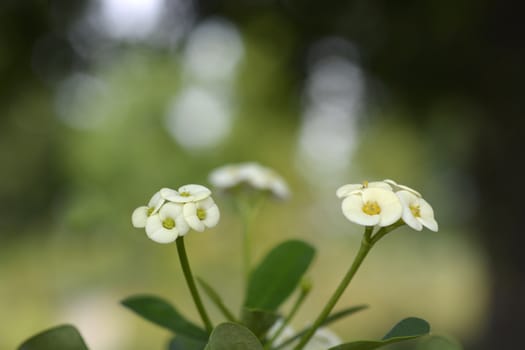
271,283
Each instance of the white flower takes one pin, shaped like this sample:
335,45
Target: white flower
141,214
346,190
402,187
322,339
167,224
252,174
226,176
286,333
372,206
263,178
416,211
201,214
186,193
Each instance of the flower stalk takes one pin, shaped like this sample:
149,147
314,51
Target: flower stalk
248,207
366,245
191,284
246,245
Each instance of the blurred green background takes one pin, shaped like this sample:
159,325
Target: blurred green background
103,102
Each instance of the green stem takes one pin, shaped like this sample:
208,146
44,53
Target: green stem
298,303
246,257
384,230
248,209
366,245
368,233
191,284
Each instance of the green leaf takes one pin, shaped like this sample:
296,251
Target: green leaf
258,321
438,342
278,275
183,343
216,299
64,337
162,313
233,336
360,345
407,329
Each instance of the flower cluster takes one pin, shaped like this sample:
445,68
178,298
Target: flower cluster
171,213
383,203
251,174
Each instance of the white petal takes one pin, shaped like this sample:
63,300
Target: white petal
406,188
153,224
249,170
175,196
174,211
205,203
287,332
192,193
430,223
402,187
170,210
391,207
378,195
212,216
164,236
280,189
411,220
427,216
407,198
352,207
181,225
425,209
390,212
190,215
157,232
323,339
168,193
225,177
196,190
255,175
426,213
189,209
379,184
156,202
347,190
139,217
390,182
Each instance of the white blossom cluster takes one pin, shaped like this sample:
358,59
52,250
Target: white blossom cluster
251,174
171,213
383,203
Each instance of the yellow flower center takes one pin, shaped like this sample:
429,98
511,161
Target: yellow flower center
168,223
371,208
150,211
185,194
201,214
414,208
